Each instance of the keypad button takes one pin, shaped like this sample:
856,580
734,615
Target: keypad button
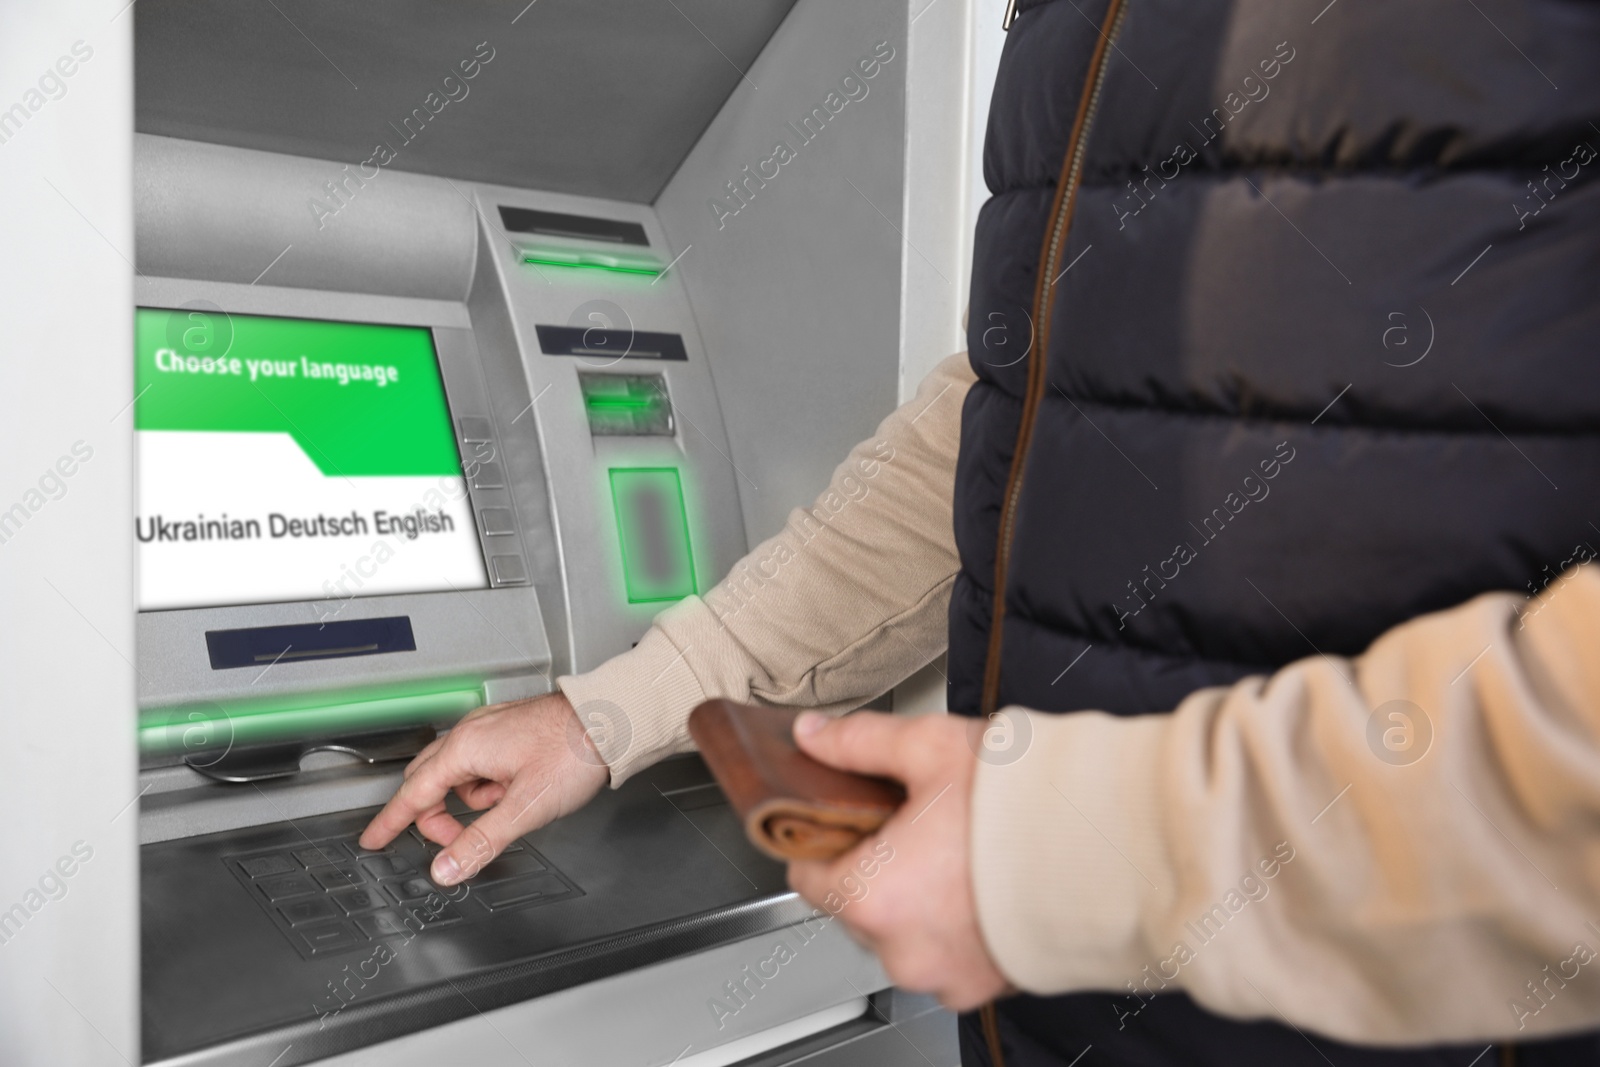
509,866
326,939
360,853
381,925
263,866
354,900
521,891
412,890
315,857
434,916
300,912
282,886
387,866
337,877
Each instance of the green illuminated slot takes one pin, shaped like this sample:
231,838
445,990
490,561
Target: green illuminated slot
653,530
622,403
179,731
589,261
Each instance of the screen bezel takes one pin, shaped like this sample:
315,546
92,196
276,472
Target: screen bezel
478,634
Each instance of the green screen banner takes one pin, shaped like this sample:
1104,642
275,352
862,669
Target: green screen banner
358,399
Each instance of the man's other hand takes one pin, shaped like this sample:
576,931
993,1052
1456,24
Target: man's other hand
906,893
529,762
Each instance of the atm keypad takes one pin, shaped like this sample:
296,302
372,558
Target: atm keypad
334,896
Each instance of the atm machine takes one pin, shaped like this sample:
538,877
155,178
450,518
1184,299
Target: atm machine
432,409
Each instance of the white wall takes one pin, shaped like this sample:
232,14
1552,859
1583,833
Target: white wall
955,50
795,293
68,964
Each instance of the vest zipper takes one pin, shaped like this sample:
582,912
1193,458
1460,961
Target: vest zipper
1060,217
1055,236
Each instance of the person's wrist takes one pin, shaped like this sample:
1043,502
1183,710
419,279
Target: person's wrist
579,744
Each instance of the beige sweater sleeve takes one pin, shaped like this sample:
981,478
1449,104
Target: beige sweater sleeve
848,599
1403,847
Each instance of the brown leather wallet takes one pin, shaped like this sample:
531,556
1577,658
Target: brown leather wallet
793,807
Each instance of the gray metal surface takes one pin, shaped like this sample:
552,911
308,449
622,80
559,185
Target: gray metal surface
662,865
179,801
510,299
213,213
899,1029
657,1015
493,369
798,294
603,98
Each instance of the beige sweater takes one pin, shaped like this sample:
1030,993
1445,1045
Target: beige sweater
1276,848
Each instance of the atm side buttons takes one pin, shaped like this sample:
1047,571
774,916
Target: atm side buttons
509,570
497,522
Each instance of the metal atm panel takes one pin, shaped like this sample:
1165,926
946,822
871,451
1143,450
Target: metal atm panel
343,947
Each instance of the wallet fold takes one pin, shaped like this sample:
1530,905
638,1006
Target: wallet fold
792,807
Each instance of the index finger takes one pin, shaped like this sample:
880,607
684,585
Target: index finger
423,791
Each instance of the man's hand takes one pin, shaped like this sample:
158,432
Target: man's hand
530,761
915,909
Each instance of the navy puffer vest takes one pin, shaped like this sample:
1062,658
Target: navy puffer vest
1286,322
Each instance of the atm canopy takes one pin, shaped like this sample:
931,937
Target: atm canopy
597,97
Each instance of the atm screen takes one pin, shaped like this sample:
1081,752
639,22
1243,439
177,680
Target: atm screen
292,459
